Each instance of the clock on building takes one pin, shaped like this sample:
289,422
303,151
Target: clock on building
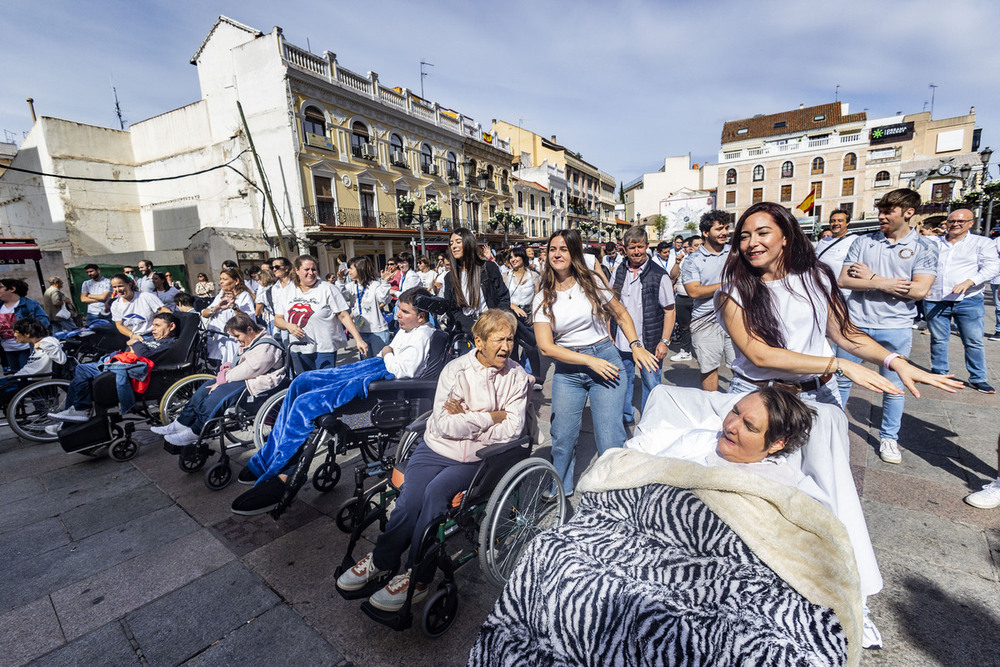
945,168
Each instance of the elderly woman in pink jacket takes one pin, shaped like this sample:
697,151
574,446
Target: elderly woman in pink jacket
480,400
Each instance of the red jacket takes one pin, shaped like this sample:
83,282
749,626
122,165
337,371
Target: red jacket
129,357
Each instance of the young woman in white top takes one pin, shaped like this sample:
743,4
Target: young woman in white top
316,312
427,276
233,295
366,294
474,284
132,311
164,291
521,284
570,328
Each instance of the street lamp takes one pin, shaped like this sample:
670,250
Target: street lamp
984,216
506,220
433,214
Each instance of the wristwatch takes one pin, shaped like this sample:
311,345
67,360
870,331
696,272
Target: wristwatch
665,342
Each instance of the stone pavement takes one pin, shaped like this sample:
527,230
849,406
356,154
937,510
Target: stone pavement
139,563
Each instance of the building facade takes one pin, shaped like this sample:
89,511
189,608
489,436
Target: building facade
553,179
675,190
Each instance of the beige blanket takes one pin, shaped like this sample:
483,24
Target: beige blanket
796,536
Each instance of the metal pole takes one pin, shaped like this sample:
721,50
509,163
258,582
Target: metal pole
263,181
423,245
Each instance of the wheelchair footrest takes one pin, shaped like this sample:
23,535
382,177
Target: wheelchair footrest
397,620
80,436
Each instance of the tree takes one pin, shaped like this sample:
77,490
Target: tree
691,226
621,192
660,224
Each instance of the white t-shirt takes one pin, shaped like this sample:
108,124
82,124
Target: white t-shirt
427,279
48,351
410,352
100,286
521,293
226,349
167,297
832,252
409,280
137,314
802,322
316,312
575,324
366,303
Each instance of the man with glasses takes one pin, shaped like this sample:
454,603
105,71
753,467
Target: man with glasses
966,262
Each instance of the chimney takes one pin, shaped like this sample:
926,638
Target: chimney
554,139
802,106
31,105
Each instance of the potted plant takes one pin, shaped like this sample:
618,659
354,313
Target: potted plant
405,205
432,210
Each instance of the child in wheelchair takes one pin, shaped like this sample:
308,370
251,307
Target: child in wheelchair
126,366
46,351
481,399
406,356
259,367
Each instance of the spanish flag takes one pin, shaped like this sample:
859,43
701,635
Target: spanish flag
807,204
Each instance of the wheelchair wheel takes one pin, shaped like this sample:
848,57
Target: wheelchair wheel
347,519
440,611
176,397
326,476
266,416
192,461
219,476
516,512
122,448
28,412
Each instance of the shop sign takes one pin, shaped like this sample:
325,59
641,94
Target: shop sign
888,134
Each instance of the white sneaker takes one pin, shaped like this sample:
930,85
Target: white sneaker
683,355
986,499
53,429
358,576
889,451
71,414
172,427
181,437
870,636
392,597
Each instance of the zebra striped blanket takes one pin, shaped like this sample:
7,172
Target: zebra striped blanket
651,576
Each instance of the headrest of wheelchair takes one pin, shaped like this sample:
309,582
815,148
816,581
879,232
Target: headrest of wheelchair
432,304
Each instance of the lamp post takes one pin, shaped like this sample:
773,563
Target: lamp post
984,217
506,220
469,167
420,219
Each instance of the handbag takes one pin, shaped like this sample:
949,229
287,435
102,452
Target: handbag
63,313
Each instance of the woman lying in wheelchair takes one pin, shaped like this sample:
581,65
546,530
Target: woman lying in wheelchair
126,365
318,392
727,549
481,399
259,366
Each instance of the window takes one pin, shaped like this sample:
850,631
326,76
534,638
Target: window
743,130
818,165
850,162
426,159
787,169
314,123
396,154
758,196
731,177
731,198
325,209
531,202
780,124
366,199
359,140
541,203
818,211
758,173
817,187
849,207
400,194
847,187
817,119
786,193
941,192
520,199
883,179
493,210
452,165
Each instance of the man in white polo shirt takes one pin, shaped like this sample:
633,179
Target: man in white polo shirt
888,271
833,249
701,275
966,262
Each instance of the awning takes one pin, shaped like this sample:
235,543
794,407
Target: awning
16,251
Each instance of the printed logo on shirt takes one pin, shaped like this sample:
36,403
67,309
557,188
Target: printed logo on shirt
299,314
905,253
133,321
7,326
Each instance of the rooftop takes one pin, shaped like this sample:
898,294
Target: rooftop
788,122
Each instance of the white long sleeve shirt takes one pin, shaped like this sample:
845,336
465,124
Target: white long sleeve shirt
973,258
410,352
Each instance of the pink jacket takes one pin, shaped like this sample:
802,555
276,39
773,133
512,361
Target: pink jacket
481,390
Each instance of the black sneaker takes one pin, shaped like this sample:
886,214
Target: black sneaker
246,476
260,499
983,387
994,336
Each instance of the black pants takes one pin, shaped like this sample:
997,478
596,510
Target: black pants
527,348
682,328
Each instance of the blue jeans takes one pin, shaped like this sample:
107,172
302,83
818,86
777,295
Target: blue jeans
375,340
79,395
431,482
995,288
571,386
825,394
204,405
968,316
894,340
17,359
313,361
649,382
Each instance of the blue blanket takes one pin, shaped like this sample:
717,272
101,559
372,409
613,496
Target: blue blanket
310,395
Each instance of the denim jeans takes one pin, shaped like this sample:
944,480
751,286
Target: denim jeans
571,386
968,316
894,340
375,340
204,405
825,394
649,382
313,361
78,393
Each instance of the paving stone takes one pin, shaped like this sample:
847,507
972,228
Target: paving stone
32,540
83,473
922,465
243,534
279,631
20,489
931,497
113,592
33,460
108,645
29,579
109,512
181,624
28,632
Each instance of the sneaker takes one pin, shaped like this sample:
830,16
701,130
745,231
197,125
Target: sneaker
870,636
53,429
993,336
920,326
683,355
261,499
246,476
182,436
172,427
360,575
986,499
538,387
71,414
983,387
392,597
889,451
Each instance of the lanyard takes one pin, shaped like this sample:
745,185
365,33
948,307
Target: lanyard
360,294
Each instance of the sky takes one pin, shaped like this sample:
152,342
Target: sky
624,82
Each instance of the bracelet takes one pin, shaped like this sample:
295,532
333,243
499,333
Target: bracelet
635,343
829,366
888,360
871,277
839,371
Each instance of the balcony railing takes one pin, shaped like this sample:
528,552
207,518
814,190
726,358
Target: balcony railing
325,215
816,143
505,189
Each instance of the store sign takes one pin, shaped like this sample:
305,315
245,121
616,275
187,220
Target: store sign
888,134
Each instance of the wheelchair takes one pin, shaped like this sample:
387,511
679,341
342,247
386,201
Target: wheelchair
512,498
111,430
28,399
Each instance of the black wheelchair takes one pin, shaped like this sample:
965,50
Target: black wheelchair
512,498
27,406
111,430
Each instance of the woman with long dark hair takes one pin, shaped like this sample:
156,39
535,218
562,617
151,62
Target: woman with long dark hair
571,313
473,284
367,293
522,283
233,296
